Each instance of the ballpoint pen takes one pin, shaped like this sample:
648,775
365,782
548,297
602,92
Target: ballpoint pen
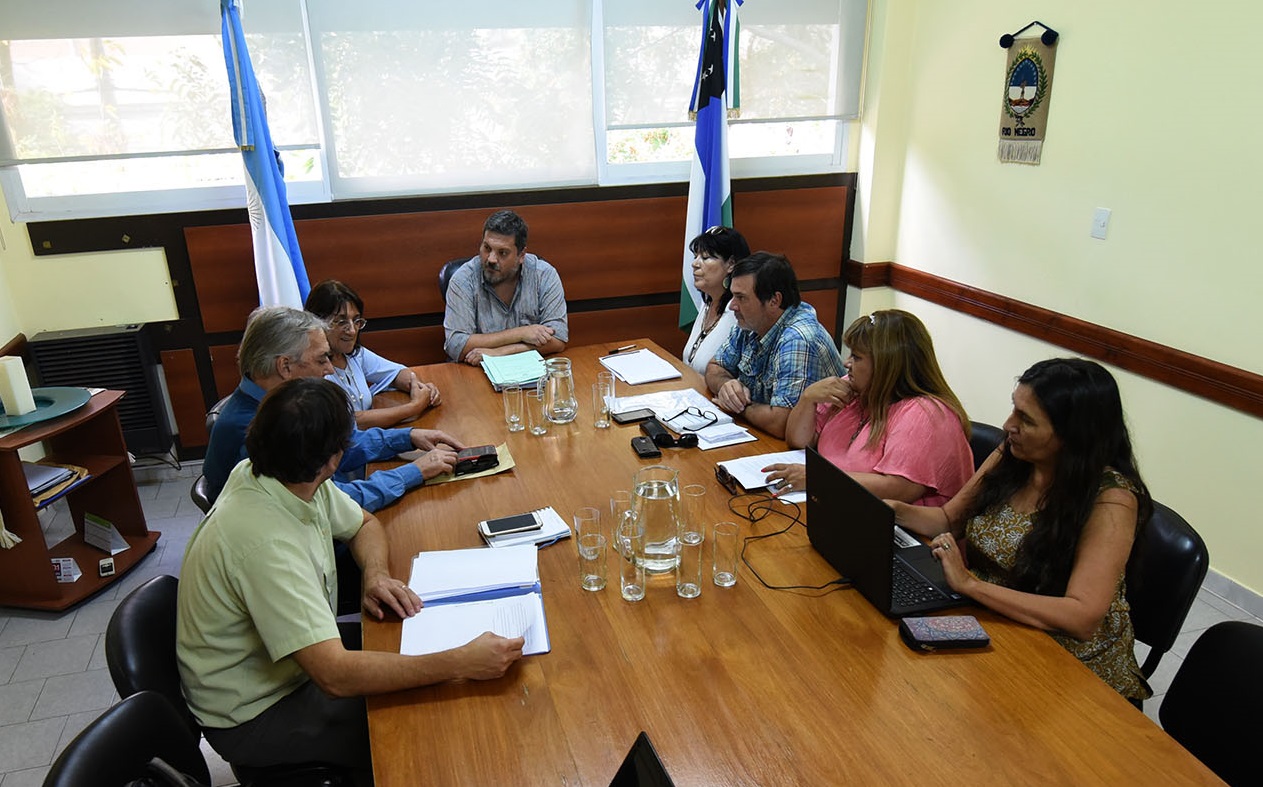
618,350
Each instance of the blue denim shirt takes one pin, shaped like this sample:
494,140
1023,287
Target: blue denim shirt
228,447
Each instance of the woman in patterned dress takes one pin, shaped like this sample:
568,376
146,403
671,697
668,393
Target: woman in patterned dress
1048,522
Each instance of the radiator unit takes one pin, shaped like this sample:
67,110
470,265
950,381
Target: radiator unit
119,357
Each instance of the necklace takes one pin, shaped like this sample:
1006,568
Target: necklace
701,336
858,429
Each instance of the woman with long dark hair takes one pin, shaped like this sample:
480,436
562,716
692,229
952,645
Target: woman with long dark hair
1048,522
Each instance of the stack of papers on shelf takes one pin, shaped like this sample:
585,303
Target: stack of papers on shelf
41,478
469,591
688,410
553,529
641,366
748,471
523,369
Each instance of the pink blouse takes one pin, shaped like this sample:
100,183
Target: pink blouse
924,443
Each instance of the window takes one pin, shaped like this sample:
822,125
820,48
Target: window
800,67
122,107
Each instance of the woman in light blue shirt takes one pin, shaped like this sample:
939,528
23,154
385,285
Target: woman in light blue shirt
358,370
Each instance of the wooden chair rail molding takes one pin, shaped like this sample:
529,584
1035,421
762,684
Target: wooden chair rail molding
1227,385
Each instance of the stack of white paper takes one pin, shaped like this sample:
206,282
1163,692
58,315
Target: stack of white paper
641,366
461,572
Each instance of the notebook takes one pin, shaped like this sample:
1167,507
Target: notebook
469,591
855,531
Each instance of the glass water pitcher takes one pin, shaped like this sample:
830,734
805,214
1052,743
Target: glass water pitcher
656,507
560,405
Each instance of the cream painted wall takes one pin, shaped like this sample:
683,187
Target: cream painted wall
1145,120
70,291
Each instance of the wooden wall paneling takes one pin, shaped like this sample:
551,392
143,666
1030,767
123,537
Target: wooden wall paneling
224,364
221,259
392,260
612,247
185,389
408,346
659,323
806,225
825,302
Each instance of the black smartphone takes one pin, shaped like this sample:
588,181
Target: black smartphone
645,448
658,433
632,416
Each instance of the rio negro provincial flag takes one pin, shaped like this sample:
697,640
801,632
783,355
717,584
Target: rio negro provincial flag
278,264
1028,78
714,93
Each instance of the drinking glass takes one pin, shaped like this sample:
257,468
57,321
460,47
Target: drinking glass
535,411
688,568
631,560
592,562
602,393
513,407
587,521
724,564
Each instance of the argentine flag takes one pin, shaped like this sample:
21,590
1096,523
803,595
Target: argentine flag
278,264
714,92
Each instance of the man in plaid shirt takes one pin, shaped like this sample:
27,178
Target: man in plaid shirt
777,349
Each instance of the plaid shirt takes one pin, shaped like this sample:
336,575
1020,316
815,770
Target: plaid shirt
776,367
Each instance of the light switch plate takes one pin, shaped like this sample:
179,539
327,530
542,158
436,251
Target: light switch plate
1100,222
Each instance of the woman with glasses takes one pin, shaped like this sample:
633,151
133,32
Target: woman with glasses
892,423
715,251
358,370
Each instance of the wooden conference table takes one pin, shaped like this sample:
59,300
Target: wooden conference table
742,685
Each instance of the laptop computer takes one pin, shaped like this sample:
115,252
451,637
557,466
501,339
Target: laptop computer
855,531
642,767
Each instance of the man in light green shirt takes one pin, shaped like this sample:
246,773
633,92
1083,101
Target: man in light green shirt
261,661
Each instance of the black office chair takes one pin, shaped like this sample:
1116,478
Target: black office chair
198,492
445,274
140,653
983,439
117,747
1215,699
1164,573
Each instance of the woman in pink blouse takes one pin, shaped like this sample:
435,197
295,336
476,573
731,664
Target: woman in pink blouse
892,423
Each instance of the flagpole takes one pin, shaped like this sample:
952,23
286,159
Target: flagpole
278,262
710,189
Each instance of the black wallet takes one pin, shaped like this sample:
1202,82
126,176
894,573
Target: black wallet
945,632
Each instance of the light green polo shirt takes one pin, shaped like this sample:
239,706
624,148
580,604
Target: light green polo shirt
258,583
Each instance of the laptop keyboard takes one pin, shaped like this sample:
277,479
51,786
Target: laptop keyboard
907,589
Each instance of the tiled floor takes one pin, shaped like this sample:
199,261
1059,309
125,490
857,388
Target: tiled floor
54,681
53,677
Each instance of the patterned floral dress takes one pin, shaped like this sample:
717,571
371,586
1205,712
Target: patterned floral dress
994,538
